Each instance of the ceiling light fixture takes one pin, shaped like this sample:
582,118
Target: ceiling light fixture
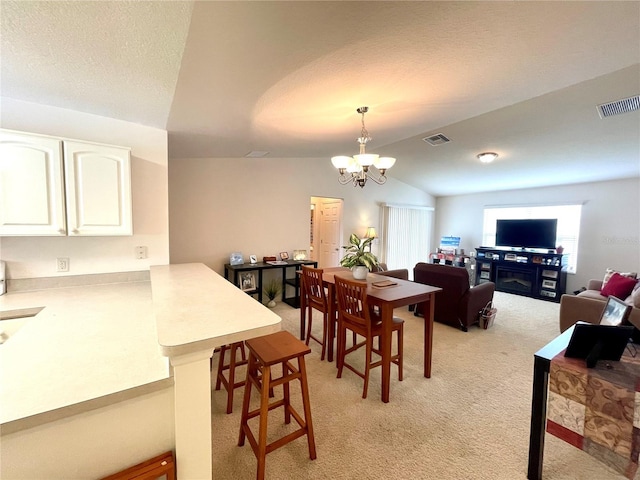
356,169
487,157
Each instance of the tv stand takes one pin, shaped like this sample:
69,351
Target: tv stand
523,272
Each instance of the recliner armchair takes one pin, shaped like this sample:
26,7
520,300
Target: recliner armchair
457,304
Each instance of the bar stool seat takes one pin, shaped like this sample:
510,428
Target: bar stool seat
230,384
264,352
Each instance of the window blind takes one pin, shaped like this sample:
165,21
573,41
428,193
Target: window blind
406,234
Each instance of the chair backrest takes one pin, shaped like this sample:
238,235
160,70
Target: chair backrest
352,301
313,287
454,282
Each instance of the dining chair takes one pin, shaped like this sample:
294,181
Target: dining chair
355,314
316,298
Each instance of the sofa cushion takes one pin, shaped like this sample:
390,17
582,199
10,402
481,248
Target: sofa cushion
610,271
595,294
619,286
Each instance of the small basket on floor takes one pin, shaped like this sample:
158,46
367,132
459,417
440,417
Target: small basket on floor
487,316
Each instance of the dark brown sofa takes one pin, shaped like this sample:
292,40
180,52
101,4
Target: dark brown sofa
457,304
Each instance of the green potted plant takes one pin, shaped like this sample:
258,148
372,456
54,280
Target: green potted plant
272,290
357,258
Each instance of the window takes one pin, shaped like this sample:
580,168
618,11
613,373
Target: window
568,217
406,234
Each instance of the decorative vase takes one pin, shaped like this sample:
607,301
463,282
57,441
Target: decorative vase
271,304
360,272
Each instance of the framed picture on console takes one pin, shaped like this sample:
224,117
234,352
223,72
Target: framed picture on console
247,281
615,312
284,255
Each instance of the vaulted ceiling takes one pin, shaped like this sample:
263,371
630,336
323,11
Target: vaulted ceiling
522,79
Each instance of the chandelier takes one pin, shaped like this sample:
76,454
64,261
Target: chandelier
357,169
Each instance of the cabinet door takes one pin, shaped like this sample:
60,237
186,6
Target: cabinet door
31,185
98,188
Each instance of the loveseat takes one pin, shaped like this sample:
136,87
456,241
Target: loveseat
457,304
381,269
588,306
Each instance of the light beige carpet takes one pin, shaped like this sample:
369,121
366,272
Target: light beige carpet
470,420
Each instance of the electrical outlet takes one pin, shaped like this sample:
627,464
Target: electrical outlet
62,264
141,252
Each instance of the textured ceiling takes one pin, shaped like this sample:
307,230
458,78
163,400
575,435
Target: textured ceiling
225,78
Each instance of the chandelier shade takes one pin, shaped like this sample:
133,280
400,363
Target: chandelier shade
356,169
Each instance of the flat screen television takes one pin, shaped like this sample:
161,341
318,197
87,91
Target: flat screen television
527,233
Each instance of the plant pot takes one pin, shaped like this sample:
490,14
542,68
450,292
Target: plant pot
360,272
271,304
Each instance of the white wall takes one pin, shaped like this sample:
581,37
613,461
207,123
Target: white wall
29,257
261,206
609,230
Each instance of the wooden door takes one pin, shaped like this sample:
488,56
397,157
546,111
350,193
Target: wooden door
330,232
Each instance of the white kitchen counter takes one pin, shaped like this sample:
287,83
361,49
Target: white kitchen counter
197,309
110,344
88,342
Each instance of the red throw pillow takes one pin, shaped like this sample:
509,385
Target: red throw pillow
618,286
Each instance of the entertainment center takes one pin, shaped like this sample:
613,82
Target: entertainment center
523,272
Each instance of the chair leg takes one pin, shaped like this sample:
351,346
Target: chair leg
342,338
325,326
400,354
309,322
367,366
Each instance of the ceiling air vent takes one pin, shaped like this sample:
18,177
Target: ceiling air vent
256,154
437,139
619,106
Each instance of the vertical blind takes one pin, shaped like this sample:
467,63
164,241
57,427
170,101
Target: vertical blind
406,234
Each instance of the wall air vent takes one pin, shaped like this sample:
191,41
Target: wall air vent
619,106
437,139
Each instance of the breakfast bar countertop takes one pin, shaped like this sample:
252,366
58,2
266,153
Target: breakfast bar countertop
87,342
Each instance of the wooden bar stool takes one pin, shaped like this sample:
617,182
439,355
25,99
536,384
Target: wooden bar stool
265,352
230,384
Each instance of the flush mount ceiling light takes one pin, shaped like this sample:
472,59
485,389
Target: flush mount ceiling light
357,169
487,157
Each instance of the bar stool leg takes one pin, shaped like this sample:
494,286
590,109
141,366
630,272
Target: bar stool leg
264,415
223,351
307,407
251,367
287,402
230,383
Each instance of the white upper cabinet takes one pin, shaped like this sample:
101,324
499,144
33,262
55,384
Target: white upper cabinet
52,186
31,185
98,187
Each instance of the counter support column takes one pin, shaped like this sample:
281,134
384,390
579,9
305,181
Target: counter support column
192,413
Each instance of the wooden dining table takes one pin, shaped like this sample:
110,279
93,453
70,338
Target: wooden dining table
402,294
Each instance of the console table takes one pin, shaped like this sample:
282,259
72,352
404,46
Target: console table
592,409
293,281
523,272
